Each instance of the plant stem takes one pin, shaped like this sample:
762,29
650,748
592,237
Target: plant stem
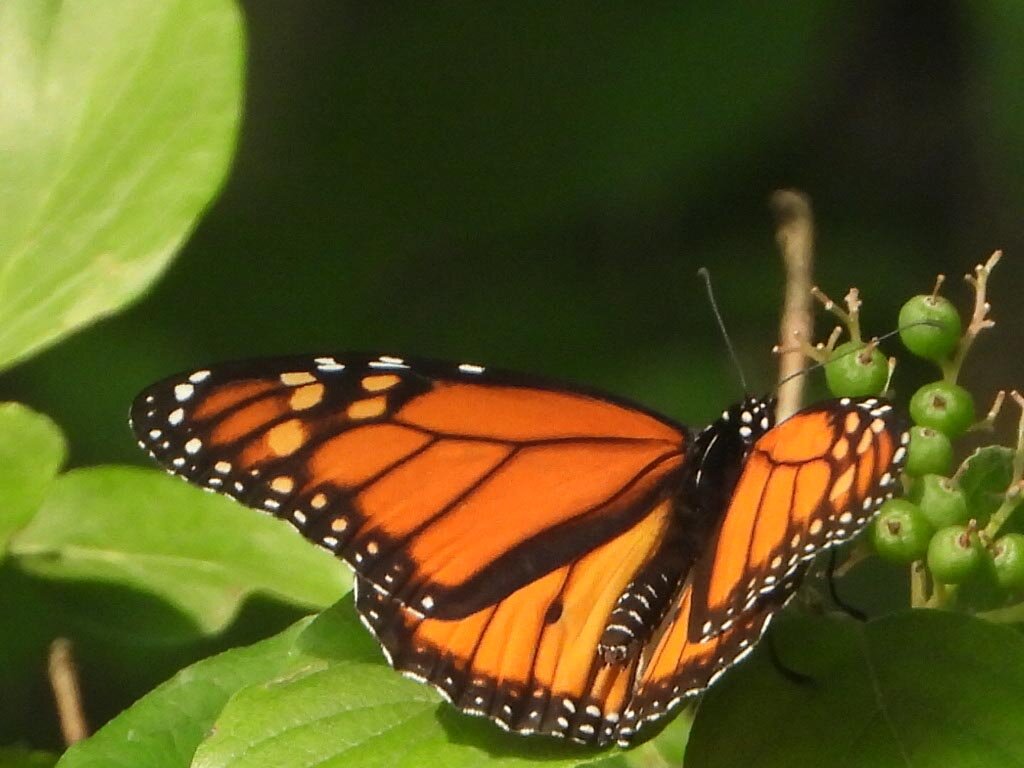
794,234
1012,497
979,318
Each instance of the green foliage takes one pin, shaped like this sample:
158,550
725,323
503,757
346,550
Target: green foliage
163,729
31,452
915,689
200,553
987,474
18,757
117,122
319,690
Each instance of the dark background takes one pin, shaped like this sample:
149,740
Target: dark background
534,185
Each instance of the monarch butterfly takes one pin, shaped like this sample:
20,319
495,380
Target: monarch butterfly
556,559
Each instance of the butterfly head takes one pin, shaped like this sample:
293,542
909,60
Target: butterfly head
748,419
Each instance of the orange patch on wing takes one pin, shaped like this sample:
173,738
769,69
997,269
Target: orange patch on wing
885,449
812,483
840,492
804,437
295,378
380,382
594,586
286,438
457,638
507,650
411,494
541,487
737,529
773,516
368,408
866,477
221,398
306,397
673,642
248,419
516,413
355,456
612,686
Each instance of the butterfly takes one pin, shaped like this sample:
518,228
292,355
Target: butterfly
559,560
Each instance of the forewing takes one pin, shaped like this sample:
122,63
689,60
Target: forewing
811,482
447,487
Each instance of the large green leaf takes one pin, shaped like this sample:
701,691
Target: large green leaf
148,532
117,122
916,689
350,709
31,452
163,729
986,479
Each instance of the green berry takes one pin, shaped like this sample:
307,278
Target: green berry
849,374
940,501
939,338
954,554
930,453
1008,559
947,407
901,532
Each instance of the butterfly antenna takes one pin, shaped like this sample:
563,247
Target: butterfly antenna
883,337
705,275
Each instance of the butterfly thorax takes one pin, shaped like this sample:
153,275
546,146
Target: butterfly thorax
716,459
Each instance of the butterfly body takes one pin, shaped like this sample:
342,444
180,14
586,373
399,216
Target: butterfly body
559,560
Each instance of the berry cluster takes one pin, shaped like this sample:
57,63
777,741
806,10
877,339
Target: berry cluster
953,525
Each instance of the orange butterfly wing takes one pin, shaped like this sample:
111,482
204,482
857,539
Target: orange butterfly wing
519,544
809,483
674,667
446,488
530,662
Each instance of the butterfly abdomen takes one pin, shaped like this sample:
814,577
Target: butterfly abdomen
643,603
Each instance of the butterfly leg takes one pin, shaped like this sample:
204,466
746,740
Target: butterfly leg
830,577
795,677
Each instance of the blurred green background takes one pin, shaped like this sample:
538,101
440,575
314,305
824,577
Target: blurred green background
534,186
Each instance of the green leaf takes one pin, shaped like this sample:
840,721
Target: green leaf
915,689
117,123
32,451
19,757
163,729
985,480
147,531
352,710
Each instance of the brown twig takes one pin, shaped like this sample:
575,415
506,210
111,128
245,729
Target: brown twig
979,318
794,234
66,691
1011,499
